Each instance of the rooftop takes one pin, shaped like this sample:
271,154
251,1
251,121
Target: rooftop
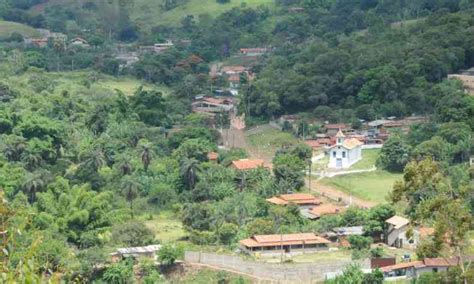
325,209
247,164
398,221
340,134
346,231
296,198
284,239
139,250
212,156
427,262
336,126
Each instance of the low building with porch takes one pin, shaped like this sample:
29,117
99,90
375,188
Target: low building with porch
292,244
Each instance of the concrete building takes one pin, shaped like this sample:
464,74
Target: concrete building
396,232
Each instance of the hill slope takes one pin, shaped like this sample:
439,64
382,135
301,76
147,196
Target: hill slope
148,12
7,28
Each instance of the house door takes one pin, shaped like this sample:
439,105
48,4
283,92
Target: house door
338,163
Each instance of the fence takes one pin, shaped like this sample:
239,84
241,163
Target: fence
282,273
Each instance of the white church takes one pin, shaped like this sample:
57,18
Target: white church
345,152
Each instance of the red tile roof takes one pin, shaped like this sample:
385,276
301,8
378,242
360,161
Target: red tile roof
296,198
234,78
286,239
326,209
324,141
427,262
246,164
336,126
212,156
313,143
233,69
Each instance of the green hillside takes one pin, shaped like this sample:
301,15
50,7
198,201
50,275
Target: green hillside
7,28
148,12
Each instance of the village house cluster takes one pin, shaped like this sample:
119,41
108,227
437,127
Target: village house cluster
46,37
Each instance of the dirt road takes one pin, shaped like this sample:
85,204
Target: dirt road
337,195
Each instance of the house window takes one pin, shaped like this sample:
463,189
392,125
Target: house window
435,270
334,154
344,154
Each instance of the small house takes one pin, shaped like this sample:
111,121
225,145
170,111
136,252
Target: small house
315,145
302,200
234,81
414,269
212,157
233,70
148,252
247,164
256,51
78,41
293,244
345,153
322,210
396,231
333,129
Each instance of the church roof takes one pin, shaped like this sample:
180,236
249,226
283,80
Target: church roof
349,144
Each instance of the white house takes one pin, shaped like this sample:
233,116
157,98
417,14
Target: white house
345,152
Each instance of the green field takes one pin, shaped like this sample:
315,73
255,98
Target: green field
7,28
268,140
75,82
207,276
371,186
150,13
369,158
166,227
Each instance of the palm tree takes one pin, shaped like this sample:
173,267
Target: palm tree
31,159
130,191
34,182
146,158
95,160
189,171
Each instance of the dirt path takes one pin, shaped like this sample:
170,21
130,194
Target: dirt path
336,195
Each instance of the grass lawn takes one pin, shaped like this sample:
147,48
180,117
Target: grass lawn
206,276
73,81
318,257
129,85
371,186
149,13
369,158
7,28
167,227
323,256
269,140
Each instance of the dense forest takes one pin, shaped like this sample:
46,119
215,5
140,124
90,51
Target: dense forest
82,170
